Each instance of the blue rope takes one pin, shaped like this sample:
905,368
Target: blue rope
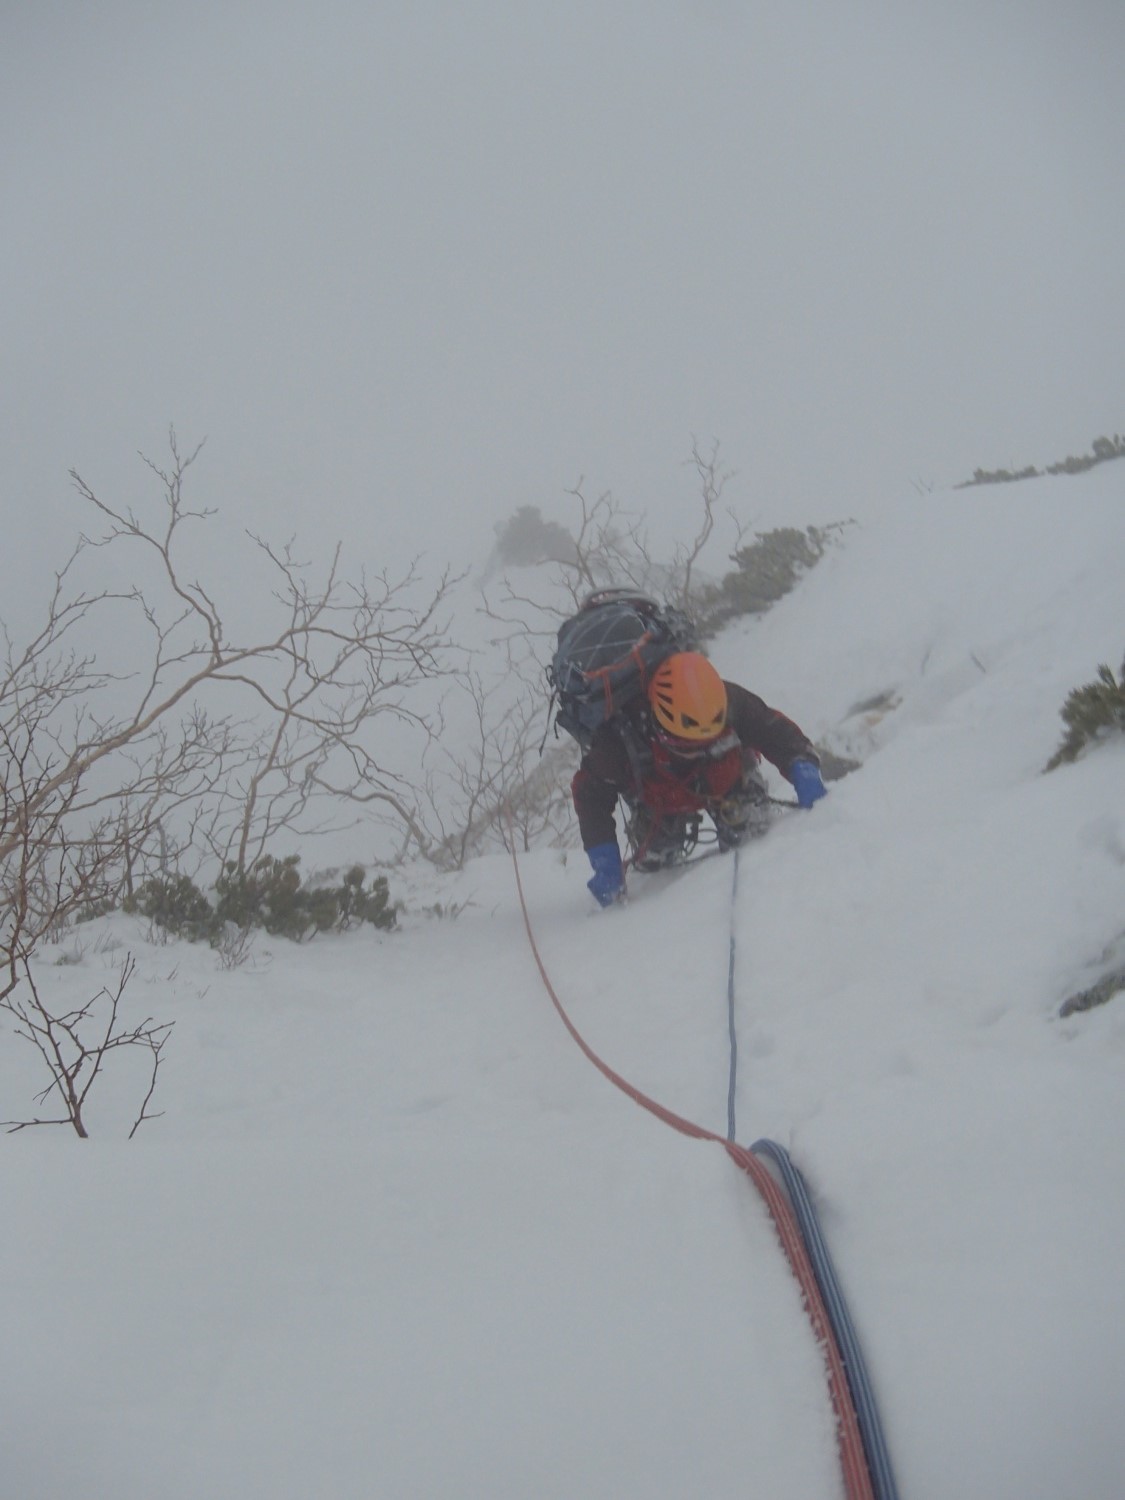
859,1384
863,1397
730,1007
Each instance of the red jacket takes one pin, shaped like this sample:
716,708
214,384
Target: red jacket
657,781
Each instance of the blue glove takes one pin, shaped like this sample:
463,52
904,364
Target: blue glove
807,782
609,879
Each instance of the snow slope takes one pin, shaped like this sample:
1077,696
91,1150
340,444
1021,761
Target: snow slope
395,1237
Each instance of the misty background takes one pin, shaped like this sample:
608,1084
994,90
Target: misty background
409,266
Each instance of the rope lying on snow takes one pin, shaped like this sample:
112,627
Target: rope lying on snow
863,1397
853,1461
859,1383
733,1034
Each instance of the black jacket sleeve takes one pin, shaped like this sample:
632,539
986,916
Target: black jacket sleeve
766,730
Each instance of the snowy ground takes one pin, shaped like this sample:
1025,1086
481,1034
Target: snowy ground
394,1236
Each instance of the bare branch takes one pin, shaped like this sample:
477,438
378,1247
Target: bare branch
200,739
712,481
74,1046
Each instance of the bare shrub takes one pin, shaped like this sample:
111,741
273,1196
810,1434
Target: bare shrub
74,1046
142,733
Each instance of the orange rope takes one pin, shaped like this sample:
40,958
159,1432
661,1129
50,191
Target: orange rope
853,1461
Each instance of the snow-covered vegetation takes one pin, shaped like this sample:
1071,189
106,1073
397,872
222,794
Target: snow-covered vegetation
384,1231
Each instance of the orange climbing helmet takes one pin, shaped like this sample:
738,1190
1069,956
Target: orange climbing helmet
688,698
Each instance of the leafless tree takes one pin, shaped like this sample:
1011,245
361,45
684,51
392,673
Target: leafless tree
140,729
302,697
492,783
75,1045
712,482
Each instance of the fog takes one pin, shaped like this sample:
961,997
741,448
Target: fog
407,266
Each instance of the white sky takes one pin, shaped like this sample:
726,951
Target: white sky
410,265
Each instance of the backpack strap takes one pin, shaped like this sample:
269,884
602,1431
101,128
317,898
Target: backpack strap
604,675
637,748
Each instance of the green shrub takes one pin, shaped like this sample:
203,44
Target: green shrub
99,906
1090,713
1098,994
764,572
1103,449
262,895
354,904
999,476
176,904
268,895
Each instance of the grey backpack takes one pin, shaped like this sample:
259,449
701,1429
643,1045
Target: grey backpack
607,653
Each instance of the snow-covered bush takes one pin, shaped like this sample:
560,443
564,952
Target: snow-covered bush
268,894
1090,713
1102,450
765,571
